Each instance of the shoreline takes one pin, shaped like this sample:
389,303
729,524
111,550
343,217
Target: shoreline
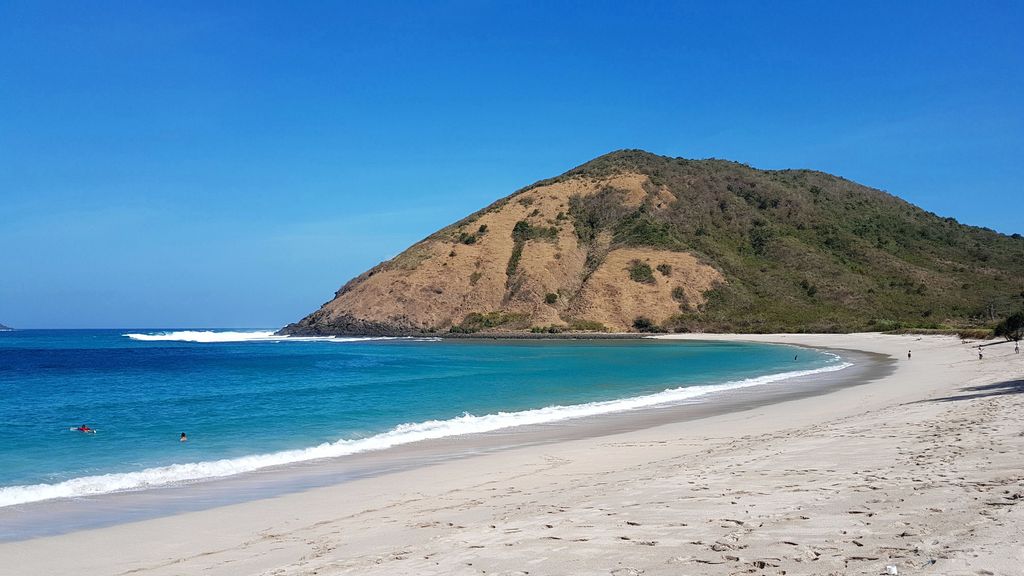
56,516
940,431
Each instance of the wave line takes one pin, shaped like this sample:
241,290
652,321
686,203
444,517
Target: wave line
401,434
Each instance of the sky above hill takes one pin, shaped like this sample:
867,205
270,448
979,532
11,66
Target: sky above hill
202,164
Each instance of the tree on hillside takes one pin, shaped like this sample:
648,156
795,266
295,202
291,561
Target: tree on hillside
1012,328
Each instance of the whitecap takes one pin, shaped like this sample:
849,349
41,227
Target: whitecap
215,336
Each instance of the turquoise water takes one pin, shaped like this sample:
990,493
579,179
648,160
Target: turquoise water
247,400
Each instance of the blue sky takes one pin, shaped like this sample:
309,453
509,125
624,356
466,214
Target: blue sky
208,164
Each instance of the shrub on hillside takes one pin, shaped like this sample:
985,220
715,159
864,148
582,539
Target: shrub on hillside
513,261
1012,328
645,324
476,321
680,323
524,231
641,272
882,325
642,230
587,326
594,212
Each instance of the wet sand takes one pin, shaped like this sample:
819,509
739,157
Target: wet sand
919,468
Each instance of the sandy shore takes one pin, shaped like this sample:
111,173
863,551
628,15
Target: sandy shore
922,470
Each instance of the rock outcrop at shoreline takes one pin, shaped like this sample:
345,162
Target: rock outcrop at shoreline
5,328
632,241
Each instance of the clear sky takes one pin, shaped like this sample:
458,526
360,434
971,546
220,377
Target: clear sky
231,164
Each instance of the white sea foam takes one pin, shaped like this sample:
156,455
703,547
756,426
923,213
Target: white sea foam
402,434
212,336
204,336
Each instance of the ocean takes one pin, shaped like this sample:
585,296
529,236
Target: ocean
249,400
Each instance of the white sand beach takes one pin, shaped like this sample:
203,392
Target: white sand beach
922,470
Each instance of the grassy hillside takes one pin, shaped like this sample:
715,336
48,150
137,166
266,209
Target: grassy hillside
632,241
807,251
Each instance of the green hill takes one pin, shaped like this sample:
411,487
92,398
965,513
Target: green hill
735,249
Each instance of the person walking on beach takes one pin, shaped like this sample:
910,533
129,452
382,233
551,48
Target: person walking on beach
908,354
979,353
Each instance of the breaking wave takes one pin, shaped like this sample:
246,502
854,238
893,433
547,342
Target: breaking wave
211,336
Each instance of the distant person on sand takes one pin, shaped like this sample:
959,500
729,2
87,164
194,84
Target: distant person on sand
979,354
908,354
183,438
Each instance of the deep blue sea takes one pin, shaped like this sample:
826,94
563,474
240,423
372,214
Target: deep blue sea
248,400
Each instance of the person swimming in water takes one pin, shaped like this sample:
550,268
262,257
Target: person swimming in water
84,428
183,438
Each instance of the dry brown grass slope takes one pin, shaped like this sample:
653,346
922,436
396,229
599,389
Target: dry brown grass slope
441,280
690,245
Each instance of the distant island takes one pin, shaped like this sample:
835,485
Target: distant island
635,242
5,328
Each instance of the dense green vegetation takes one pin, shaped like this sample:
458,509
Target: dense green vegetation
1012,328
552,329
645,324
476,321
804,250
522,232
587,326
574,326
641,272
470,239
513,260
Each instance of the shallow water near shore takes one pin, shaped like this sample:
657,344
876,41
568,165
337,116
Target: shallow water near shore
250,401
